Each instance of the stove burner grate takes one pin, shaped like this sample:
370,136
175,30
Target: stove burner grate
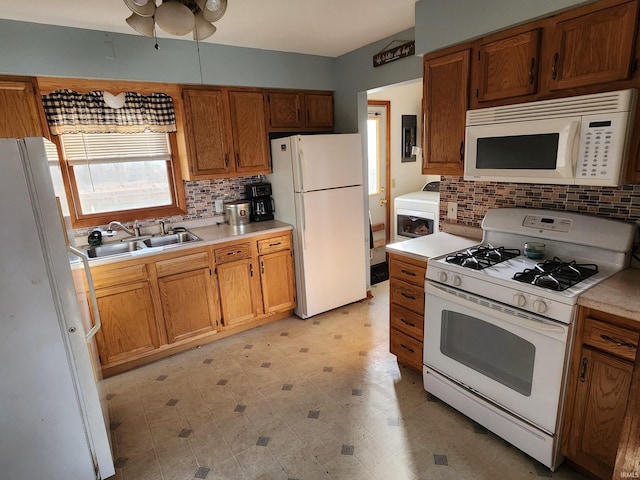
478,258
556,274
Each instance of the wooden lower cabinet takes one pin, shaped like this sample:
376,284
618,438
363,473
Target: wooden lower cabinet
189,302
237,292
406,309
162,304
128,322
599,383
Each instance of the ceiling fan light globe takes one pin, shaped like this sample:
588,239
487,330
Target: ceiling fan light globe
175,18
203,29
212,14
144,8
140,24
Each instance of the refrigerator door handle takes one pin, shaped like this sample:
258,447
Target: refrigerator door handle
92,292
303,222
300,164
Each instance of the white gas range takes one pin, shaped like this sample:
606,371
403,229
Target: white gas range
498,324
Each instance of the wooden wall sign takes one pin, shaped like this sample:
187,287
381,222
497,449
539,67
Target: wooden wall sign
393,54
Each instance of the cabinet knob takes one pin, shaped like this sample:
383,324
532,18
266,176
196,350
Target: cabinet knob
532,64
554,66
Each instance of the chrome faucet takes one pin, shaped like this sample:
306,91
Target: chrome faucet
162,229
134,233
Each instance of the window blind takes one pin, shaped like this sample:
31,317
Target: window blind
94,148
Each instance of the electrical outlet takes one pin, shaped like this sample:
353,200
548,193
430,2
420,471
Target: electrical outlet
452,211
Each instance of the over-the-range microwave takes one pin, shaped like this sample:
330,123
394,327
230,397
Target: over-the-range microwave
582,140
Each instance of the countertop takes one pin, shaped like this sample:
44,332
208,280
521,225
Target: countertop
429,246
618,295
210,234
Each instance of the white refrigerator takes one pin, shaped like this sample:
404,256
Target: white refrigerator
53,421
318,188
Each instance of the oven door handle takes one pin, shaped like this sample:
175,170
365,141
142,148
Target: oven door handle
545,327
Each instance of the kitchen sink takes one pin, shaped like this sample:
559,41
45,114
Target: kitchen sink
109,249
140,243
172,239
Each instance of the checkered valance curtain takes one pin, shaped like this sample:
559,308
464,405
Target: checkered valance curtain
68,111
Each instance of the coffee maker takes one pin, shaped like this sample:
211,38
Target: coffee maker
261,203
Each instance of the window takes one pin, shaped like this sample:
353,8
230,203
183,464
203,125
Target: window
373,148
119,175
117,161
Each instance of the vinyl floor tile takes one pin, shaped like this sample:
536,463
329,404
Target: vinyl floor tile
314,399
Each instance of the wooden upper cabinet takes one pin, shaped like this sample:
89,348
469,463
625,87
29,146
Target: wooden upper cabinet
319,110
20,112
446,98
208,139
225,133
507,67
250,139
593,48
285,110
299,110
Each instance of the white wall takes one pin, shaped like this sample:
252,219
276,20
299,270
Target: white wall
406,177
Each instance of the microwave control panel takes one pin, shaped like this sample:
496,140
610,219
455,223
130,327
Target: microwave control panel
601,148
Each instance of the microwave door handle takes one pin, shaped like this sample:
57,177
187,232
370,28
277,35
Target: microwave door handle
575,145
92,291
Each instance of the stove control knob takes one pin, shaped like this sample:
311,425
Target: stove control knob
540,306
519,300
456,281
443,277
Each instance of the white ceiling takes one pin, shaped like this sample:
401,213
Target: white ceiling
319,27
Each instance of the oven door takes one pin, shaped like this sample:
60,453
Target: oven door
511,358
414,223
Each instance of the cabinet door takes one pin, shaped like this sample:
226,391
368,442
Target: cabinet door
207,133
248,126
319,110
128,322
593,48
276,276
188,304
508,67
285,110
20,114
600,402
446,87
237,292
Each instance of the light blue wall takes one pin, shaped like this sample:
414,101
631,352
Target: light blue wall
32,49
441,23
45,50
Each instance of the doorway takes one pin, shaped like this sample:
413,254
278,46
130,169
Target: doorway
378,169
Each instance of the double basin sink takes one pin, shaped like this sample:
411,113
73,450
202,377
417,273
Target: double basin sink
138,244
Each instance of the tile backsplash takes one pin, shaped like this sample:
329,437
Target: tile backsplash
475,198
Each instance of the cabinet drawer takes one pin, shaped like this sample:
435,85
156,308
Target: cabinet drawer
406,348
185,263
407,322
407,295
274,244
611,338
119,276
231,253
408,272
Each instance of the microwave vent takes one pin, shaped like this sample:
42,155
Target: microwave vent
607,102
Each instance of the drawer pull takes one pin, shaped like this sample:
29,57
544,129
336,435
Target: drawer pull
275,244
583,371
407,323
407,348
620,343
410,297
407,272
234,253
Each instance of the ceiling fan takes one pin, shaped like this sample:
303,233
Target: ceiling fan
176,17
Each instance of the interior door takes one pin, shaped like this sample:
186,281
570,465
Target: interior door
378,140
